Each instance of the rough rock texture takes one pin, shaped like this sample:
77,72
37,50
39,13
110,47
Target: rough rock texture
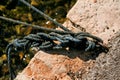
107,66
56,65
98,17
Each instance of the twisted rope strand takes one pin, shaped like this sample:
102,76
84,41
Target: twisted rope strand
46,16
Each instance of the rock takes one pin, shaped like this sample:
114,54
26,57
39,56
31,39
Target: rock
98,17
54,65
107,66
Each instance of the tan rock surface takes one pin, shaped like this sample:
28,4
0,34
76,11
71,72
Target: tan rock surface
54,65
98,17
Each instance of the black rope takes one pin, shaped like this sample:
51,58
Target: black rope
8,51
34,26
46,41
46,16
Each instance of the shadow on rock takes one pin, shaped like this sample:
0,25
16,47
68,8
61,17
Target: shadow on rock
73,53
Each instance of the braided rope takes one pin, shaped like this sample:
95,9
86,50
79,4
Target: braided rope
46,41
